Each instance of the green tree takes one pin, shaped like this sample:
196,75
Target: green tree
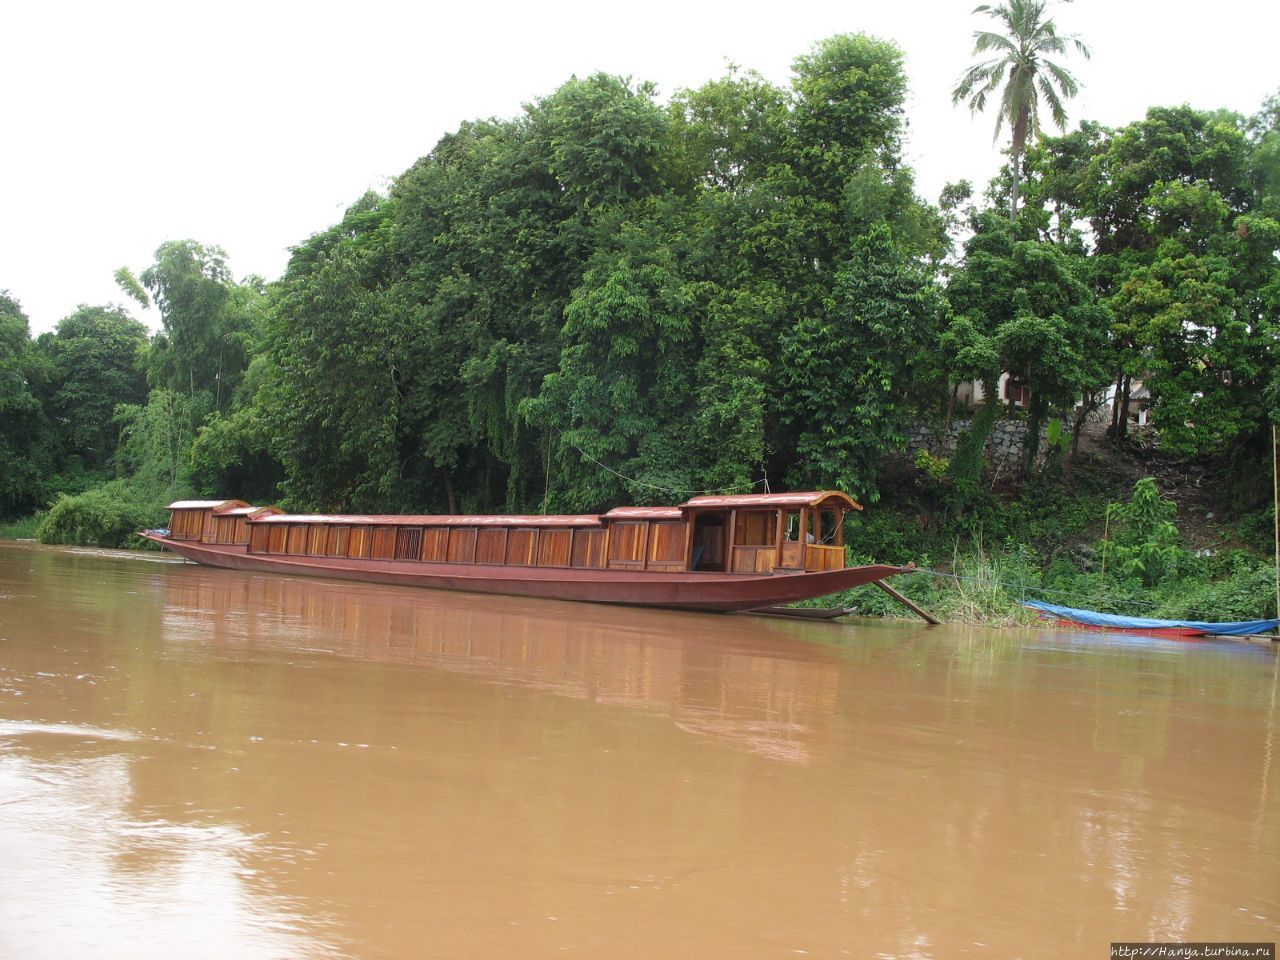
851,374
1023,73
207,319
26,450
96,354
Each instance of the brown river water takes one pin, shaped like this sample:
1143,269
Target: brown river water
201,763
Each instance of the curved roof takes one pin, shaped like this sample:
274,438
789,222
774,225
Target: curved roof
644,513
809,498
446,520
204,504
245,511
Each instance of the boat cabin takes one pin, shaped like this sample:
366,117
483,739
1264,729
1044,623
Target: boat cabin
214,521
747,533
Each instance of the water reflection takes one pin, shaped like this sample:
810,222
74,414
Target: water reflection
84,876
741,679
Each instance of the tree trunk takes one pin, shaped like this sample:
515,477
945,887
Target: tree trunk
1013,198
448,492
1123,428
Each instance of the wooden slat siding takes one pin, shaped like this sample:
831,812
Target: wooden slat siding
491,545
754,559
818,557
341,543
360,542
522,547
384,543
626,544
409,543
588,549
331,542
554,547
186,524
462,545
435,544
279,539
259,539
666,546
316,538
297,543
208,532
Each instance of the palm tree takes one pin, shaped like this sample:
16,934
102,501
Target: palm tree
1021,64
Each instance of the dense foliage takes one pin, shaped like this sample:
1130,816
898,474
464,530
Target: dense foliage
614,298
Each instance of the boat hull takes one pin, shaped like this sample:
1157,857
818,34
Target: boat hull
687,591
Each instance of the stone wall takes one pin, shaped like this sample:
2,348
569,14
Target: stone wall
1004,444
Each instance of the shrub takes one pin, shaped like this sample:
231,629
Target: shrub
107,516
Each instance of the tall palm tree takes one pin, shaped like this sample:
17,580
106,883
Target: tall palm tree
1022,66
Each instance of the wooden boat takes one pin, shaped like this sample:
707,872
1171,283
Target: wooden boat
1077,619
710,553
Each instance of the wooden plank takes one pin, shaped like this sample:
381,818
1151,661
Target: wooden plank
555,548
259,538
296,544
588,549
491,545
316,537
910,605
462,545
384,543
627,541
435,544
522,546
361,542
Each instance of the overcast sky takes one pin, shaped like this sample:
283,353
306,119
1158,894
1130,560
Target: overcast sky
253,125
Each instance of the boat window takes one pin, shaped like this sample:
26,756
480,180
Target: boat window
829,532
791,526
756,528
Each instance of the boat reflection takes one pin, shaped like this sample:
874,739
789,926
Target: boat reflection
738,678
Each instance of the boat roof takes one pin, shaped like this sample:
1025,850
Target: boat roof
644,513
446,520
808,498
245,511
204,504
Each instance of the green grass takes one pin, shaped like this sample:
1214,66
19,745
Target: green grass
23,528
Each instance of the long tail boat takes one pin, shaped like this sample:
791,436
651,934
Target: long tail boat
1077,619
718,553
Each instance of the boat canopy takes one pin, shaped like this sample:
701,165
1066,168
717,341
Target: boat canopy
1238,628
821,499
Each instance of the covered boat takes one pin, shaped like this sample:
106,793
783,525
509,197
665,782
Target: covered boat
1147,626
710,553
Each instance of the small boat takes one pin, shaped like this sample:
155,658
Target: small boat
718,553
1146,626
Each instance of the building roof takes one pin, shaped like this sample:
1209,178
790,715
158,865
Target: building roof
447,520
810,498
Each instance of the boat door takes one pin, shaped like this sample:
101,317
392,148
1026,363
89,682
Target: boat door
710,540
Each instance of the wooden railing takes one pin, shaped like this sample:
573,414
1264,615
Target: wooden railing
823,558
753,559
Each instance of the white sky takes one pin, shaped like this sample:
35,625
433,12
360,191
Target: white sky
253,125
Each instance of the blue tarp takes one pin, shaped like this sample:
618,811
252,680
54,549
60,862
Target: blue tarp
1241,628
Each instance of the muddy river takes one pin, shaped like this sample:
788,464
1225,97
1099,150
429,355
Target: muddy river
201,763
